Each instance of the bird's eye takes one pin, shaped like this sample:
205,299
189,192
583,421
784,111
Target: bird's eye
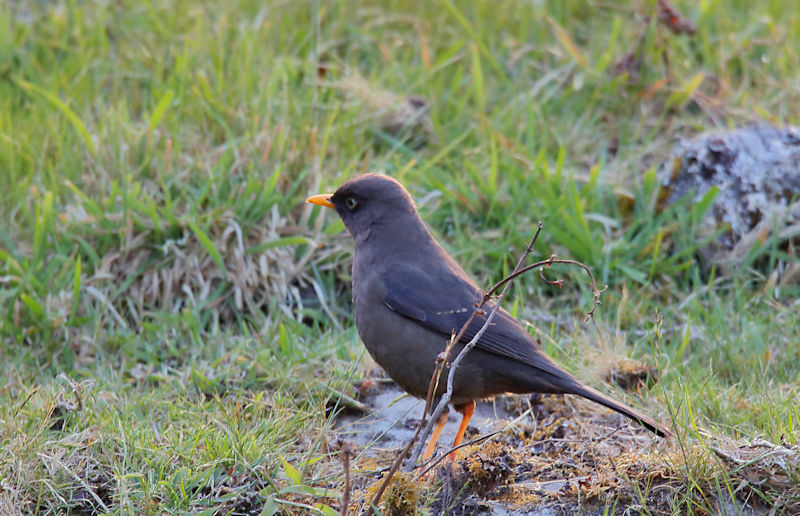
351,203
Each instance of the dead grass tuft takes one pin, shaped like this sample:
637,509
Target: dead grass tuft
391,112
763,468
632,375
55,463
180,273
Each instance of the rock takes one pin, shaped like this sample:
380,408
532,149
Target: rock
757,171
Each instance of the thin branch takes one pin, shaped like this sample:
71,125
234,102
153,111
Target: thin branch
431,388
433,462
426,424
346,454
441,359
436,460
445,399
547,263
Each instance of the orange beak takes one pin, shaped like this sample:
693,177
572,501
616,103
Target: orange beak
322,200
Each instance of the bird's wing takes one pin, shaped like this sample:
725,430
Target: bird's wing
442,300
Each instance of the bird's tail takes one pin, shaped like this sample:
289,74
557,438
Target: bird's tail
598,397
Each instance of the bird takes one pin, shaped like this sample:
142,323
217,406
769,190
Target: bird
410,297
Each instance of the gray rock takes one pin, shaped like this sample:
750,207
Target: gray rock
757,171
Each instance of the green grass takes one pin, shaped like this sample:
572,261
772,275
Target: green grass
174,321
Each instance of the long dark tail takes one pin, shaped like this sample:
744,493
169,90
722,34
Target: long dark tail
576,387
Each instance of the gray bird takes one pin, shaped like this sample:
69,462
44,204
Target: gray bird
410,296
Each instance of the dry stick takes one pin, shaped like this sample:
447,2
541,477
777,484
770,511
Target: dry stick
427,466
445,399
377,498
440,360
434,461
443,357
546,263
431,388
346,454
506,282
428,400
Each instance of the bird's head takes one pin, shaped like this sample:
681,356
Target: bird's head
371,200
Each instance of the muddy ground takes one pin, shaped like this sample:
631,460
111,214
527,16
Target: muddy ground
550,455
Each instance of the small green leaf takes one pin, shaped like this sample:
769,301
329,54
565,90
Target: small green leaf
205,385
318,492
326,510
209,245
685,92
477,78
444,57
34,306
568,43
494,166
284,340
469,28
684,341
324,492
656,249
632,273
91,207
160,109
270,507
291,473
334,228
699,209
9,244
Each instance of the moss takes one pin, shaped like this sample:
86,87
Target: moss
402,497
490,467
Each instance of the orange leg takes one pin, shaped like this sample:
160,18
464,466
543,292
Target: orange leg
437,431
466,411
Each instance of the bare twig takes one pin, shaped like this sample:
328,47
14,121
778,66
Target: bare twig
547,263
426,424
445,399
434,461
346,454
431,463
428,400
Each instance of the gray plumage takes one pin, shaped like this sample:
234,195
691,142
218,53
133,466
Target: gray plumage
409,296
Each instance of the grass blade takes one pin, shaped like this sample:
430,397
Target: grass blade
160,110
210,248
569,44
76,290
74,119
